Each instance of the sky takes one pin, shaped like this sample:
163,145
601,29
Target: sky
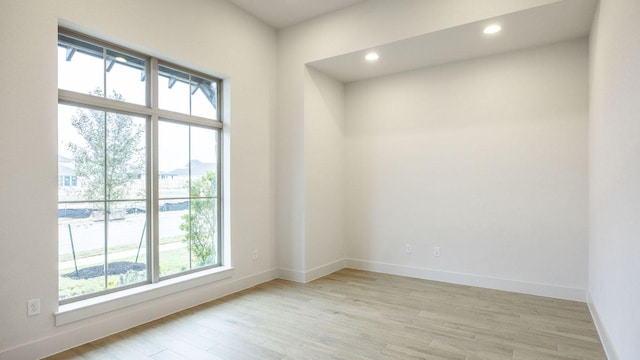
84,74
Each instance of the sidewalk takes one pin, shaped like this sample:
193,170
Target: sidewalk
99,259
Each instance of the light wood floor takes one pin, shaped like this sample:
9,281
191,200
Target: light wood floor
362,315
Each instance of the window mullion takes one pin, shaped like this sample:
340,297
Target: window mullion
189,119
154,174
68,97
219,212
104,73
190,203
190,96
105,205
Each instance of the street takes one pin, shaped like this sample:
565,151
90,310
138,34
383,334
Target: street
89,234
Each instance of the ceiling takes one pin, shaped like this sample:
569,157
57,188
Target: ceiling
554,22
284,13
547,24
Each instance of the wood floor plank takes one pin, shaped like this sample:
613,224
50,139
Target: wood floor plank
353,315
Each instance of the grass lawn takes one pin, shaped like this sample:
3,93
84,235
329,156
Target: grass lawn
171,262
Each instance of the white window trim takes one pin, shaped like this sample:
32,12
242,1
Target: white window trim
92,307
112,301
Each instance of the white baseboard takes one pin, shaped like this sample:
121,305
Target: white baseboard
602,332
315,273
104,325
324,270
291,275
553,291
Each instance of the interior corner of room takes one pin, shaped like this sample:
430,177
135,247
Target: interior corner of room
400,137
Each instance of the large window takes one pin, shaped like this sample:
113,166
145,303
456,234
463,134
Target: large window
138,169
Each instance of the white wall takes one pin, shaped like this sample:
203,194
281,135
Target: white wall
324,174
364,25
614,211
485,158
195,34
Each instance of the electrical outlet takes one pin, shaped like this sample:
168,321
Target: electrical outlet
33,307
408,248
436,251
254,254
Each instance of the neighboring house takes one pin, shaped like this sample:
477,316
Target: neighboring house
172,182
66,172
198,168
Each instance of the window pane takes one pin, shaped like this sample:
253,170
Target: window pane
80,66
125,78
203,154
204,98
173,159
83,135
173,90
188,221
174,253
188,238
80,153
201,236
125,157
127,243
81,235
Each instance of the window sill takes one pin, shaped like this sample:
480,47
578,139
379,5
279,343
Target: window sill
89,308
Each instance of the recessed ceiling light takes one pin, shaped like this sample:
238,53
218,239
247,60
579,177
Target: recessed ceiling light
372,56
492,29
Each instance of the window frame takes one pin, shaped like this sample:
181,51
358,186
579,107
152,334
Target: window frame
154,115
